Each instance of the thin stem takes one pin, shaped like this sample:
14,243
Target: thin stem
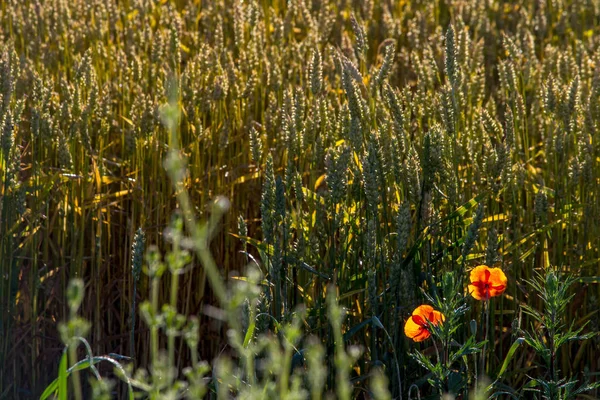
396,360
154,326
132,335
485,339
437,353
76,381
171,338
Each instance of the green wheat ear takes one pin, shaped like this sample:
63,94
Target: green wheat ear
361,44
316,73
472,233
267,206
450,61
255,144
388,61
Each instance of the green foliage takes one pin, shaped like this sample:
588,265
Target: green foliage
376,151
550,331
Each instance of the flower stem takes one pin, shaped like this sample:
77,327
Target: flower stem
486,310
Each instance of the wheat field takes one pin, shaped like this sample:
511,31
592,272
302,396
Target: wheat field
278,187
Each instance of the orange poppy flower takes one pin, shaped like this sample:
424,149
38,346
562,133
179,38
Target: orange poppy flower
487,282
416,326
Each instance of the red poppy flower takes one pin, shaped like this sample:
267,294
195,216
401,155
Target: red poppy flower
487,282
416,326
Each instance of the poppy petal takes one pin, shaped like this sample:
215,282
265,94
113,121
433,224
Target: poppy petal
417,319
498,282
487,275
425,334
416,325
438,318
477,292
423,311
487,282
478,274
497,277
414,330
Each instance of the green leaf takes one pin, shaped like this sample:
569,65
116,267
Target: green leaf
509,356
469,205
60,383
50,389
294,262
249,334
267,248
377,322
425,363
470,347
357,328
